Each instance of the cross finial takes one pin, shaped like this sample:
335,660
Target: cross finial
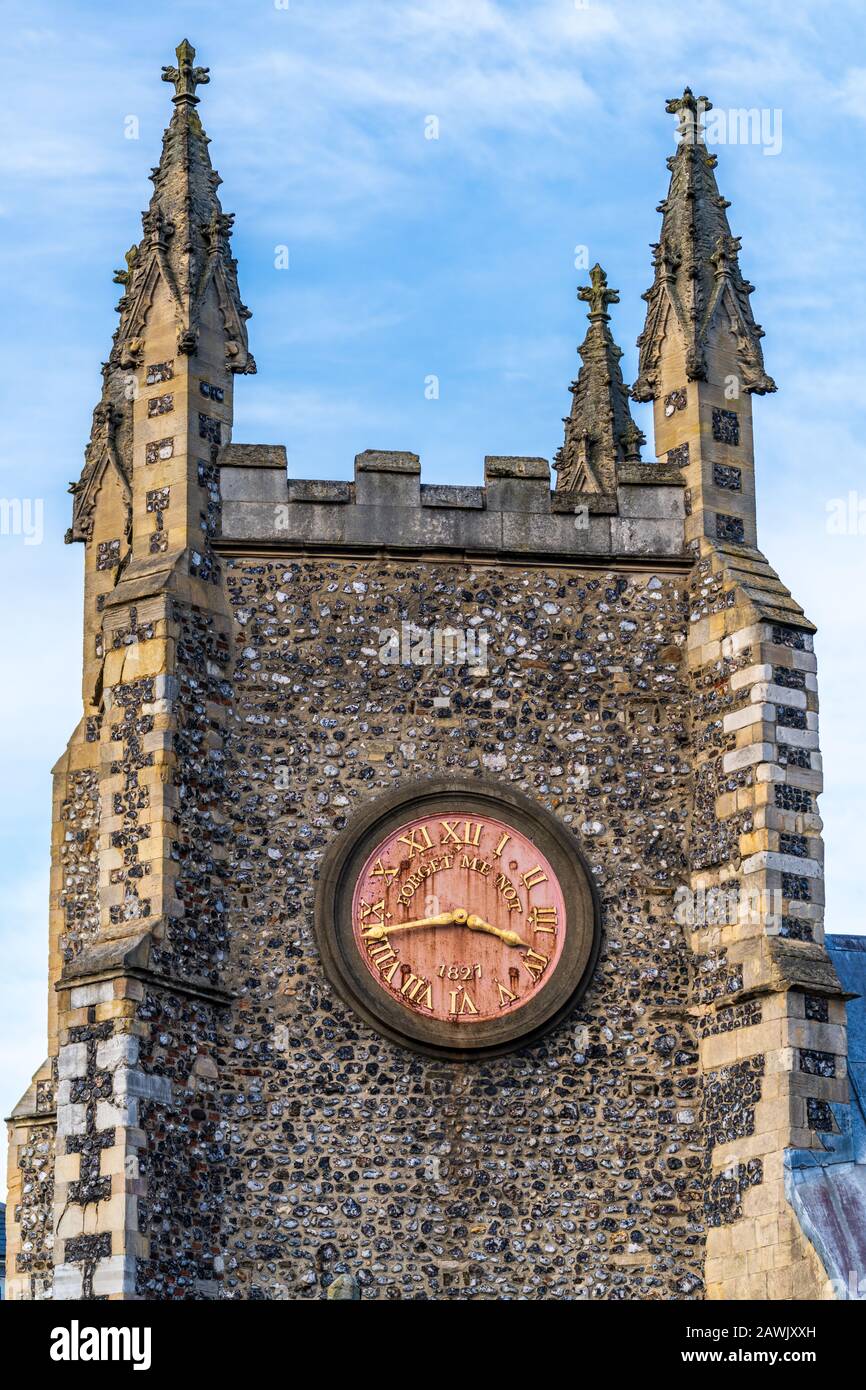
186,76
689,109
597,295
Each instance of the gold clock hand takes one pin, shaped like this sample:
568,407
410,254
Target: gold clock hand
511,938
444,919
459,917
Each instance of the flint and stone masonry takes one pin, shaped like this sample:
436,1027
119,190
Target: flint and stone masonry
211,1121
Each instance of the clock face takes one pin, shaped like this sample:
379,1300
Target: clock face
457,918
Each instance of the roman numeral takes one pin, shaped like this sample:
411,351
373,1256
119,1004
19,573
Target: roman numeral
534,876
535,963
381,870
376,910
501,846
416,846
381,954
471,832
418,991
544,919
505,995
467,1005
391,971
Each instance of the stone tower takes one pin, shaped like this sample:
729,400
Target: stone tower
772,1014
214,1119
139,843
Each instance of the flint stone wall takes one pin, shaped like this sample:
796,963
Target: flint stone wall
575,1168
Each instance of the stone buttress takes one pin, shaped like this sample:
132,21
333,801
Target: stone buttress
137,913
771,1010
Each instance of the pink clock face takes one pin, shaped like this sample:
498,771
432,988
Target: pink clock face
459,918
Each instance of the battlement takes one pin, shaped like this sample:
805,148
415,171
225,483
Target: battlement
389,507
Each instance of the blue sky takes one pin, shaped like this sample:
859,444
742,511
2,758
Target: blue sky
410,257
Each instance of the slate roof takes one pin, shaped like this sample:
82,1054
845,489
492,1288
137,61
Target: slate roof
828,1190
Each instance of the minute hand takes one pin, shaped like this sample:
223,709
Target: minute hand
444,919
511,938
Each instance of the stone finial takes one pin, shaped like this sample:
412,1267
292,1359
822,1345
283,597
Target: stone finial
599,433
697,286
689,109
597,294
186,76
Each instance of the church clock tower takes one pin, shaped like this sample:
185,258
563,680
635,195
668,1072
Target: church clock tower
436,901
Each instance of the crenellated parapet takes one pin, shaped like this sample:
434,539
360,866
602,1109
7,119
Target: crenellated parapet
514,513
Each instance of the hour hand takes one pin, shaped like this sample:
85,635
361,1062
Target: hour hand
511,938
380,930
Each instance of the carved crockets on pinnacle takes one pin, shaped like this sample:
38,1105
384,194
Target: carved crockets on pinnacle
186,249
697,284
599,433
186,235
103,455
